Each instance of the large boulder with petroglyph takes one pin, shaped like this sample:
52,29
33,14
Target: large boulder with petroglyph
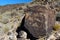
10,18
39,20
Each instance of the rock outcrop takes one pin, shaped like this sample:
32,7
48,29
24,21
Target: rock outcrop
39,20
10,18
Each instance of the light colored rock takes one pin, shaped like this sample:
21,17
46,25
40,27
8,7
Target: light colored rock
23,34
40,39
9,22
54,35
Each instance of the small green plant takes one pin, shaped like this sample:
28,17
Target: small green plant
57,27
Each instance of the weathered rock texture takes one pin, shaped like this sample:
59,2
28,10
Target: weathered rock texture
55,36
39,20
23,35
10,18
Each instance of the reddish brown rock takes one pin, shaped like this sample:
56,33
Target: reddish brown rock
39,20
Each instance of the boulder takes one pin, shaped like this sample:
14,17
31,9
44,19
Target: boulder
39,20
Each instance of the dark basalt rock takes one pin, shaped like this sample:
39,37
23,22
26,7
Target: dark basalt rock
39,20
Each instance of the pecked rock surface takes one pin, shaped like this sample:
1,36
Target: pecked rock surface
39,20
10,18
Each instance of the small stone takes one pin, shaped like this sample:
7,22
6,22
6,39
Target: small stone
23,34
10,20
